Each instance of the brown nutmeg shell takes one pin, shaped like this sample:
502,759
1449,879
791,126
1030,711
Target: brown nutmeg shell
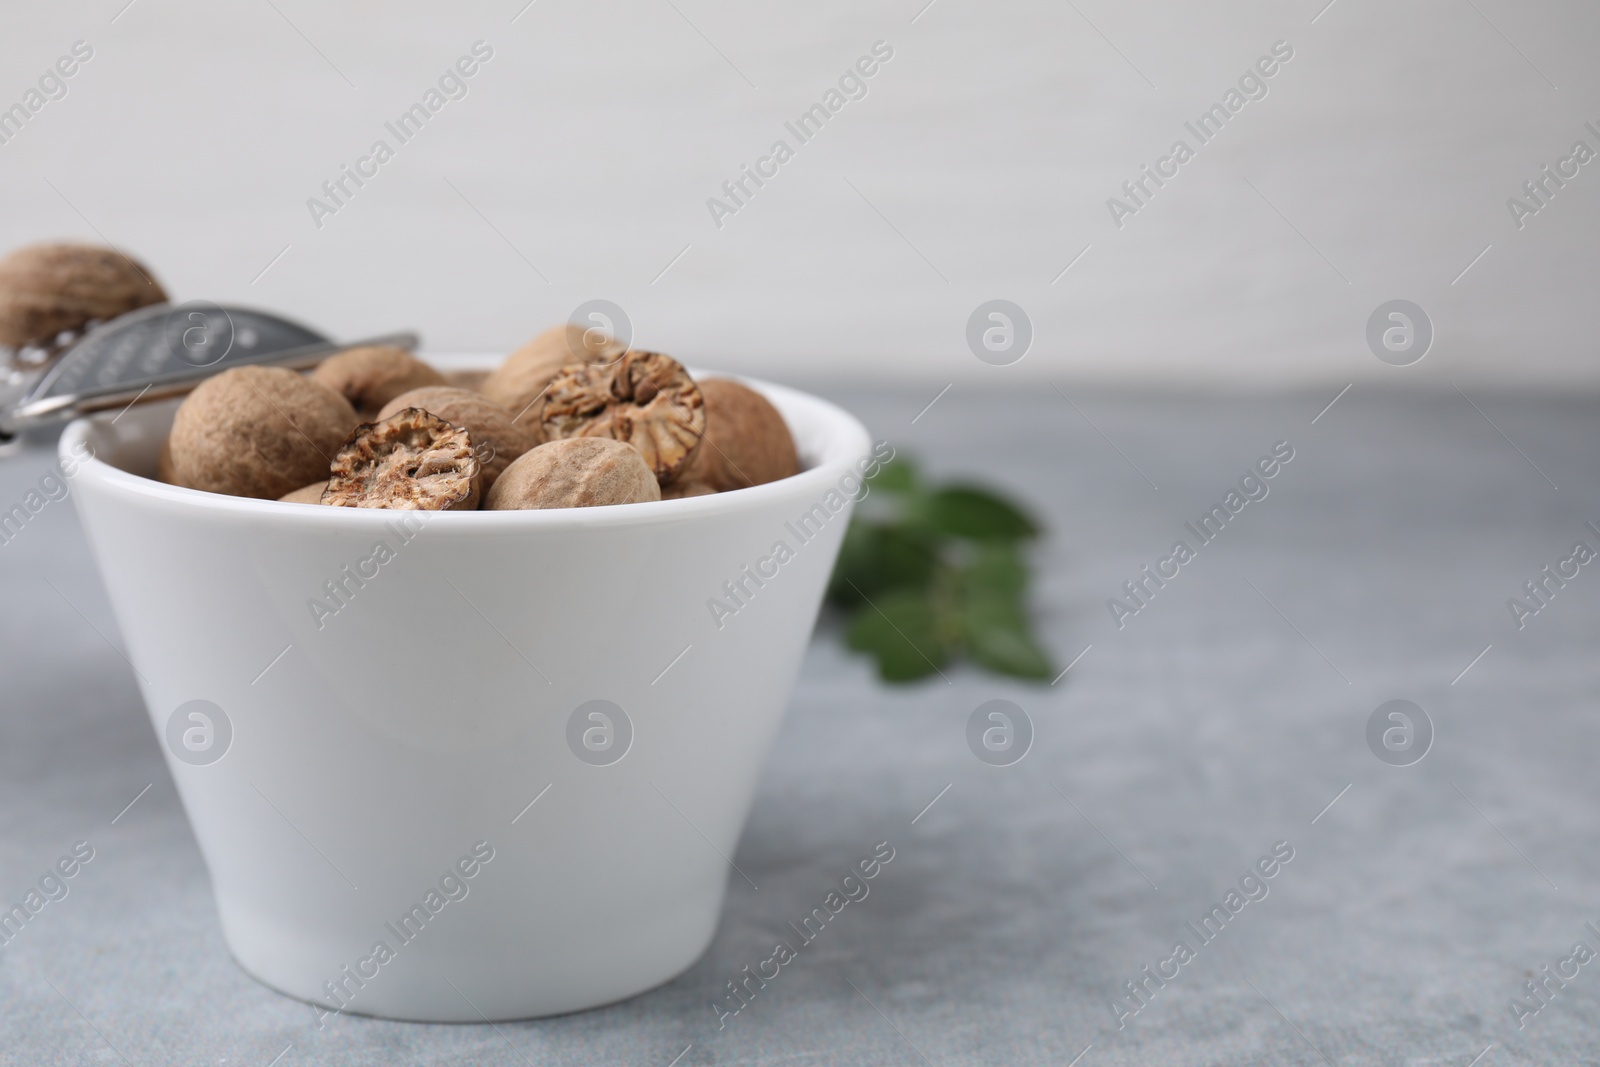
371,376
577,472
257,431
46,289
746,440
521,380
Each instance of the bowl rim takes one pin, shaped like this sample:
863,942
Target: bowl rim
846,446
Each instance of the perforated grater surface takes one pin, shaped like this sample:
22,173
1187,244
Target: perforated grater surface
156,352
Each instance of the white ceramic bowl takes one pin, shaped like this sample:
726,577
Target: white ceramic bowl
341,764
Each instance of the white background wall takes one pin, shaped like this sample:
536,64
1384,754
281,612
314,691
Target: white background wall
990,142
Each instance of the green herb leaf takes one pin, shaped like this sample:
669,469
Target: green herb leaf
999,638
902,631
976,514
998,570
927,574
878,557
899,475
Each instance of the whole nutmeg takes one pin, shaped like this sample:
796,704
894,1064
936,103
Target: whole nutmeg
257,431
411,461
644,399
522,378
746,441
579,472
306,494
497,439
371,376
464,378
46,289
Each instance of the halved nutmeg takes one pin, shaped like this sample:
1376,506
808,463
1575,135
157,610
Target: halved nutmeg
497,438
644,399
411,460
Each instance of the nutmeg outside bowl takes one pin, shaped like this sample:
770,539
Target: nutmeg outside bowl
344,768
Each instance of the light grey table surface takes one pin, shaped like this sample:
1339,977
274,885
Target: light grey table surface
1224,718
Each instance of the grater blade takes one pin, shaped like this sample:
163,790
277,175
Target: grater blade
161,351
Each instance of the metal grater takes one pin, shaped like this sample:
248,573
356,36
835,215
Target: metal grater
156,352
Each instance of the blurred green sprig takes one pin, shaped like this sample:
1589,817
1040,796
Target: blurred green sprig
930,574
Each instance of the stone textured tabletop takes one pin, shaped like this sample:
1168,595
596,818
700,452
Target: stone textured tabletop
1226,718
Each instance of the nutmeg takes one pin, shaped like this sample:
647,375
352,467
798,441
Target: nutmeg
257,431
371,376
465,378
46,289
577,472
644,399
746,441
497,439
411,461
521,380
